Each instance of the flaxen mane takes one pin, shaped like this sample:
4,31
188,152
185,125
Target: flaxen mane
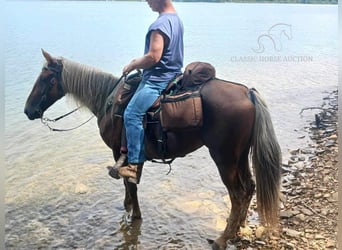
89,86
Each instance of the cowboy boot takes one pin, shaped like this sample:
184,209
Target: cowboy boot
114,171
132,172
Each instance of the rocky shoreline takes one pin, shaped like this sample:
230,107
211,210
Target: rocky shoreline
309,200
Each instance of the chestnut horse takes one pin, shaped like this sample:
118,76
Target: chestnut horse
236,122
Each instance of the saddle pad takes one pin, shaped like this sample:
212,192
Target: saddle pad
181,111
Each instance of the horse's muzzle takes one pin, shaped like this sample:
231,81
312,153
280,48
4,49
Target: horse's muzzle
32,113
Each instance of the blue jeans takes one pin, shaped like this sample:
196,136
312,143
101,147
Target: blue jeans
146,94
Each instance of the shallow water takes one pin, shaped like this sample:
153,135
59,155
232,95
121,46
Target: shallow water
58,193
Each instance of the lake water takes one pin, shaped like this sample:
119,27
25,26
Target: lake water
293,70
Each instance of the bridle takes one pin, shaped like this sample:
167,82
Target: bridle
56,69
57,73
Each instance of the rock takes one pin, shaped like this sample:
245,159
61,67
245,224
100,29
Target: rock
308,230
81,188
332,137
295,151
318,195
330,143
304,240
246,240
309,236
320,151
326,195
300,166
319,237
307,211
300,217
290,245
306,151
330,244
259,232
291,232
286,214
259,242
246,231
335,196
301,158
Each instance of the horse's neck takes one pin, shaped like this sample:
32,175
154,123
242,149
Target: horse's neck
87,85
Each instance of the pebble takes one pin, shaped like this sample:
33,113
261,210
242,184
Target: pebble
330,143
291,232
319,237
295,151
290,245
326,195
259,242
286,214
318,195
301,158
306,151
335,196
300,217
307,211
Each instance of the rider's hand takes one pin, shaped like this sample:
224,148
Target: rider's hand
128,68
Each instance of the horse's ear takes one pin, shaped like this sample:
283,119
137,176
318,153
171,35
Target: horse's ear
47,56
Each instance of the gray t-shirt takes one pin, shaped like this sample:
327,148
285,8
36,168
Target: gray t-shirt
171,62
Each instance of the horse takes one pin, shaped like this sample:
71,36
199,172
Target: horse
236,125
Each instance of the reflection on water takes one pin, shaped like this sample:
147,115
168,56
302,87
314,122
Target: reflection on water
58,193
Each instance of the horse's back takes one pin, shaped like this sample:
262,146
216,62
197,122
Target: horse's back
224,94
228,114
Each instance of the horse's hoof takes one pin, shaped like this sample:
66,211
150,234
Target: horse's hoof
216,246
113,172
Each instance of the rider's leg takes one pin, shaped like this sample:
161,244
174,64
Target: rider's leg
133,121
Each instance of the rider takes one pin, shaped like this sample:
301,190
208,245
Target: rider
162,62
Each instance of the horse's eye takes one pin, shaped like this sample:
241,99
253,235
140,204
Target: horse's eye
46,79
43,78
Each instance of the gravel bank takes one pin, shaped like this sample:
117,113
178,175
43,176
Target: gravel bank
309,201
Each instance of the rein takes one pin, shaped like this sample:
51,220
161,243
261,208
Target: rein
46,121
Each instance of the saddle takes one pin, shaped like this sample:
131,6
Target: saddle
179,107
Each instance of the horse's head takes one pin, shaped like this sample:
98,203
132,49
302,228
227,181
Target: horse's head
47,88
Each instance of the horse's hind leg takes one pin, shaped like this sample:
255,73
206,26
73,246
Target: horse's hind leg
248,185
237,178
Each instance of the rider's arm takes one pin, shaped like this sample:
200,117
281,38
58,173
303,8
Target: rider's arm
152,57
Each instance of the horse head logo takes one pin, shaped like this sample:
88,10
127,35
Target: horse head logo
275,35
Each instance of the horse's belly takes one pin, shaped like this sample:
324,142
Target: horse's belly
178,144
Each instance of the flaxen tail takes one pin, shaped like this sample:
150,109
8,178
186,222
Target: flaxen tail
266,159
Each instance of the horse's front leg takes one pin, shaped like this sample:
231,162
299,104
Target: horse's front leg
131,199
128,201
